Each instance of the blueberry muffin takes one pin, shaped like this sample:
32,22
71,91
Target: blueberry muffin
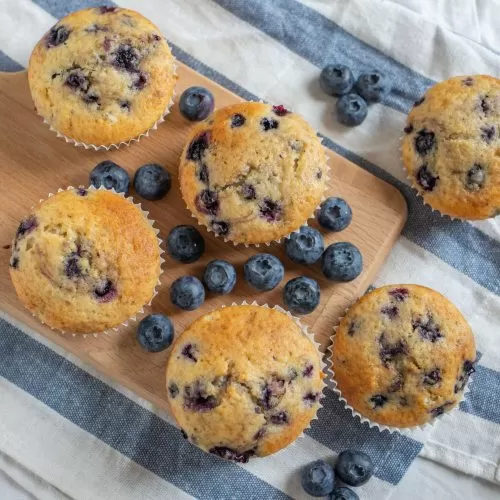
402,355
252,172
244,381
85,260
451,147
102,76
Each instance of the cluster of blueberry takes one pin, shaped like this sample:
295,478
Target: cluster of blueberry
353,95
151,181
353,468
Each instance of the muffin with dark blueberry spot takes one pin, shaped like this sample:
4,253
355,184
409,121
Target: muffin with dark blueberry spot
451,147
402,356
252,172
102,76
85,260
244,381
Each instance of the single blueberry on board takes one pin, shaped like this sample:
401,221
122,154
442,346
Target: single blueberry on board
152,181
301,295
372,87
351,110
155,333
354,467
318,478
305,246
336,79
185,244
334,214
219,276
343,493
342,262
110,176
187,293
264,271
196,103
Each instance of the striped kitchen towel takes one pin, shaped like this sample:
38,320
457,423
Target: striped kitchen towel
65,431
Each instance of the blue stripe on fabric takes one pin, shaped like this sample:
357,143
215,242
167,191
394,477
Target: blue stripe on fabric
482,400
122,424
316,38
8,64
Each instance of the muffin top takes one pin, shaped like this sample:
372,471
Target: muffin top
252,172
85,260
244,381
402,355
451,147
102,76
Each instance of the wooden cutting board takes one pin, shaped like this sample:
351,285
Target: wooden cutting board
34,163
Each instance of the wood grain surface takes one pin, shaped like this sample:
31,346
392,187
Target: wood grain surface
34,163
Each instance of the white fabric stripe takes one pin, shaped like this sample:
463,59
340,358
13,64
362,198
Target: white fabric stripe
440,54
29,428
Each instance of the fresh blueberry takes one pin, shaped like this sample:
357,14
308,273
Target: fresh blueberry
351,110
334,214
336,79
343,493
196,103
354,467
219,276
342,262
155,332
264,271
185,244
187,293
372,87
318,478
301,295
306,246
110,176
152,181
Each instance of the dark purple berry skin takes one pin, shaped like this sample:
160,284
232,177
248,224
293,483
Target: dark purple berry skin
272,392
425,141
399,294
427,328
268,124
26,226
76,80
389,352
237,120
419,101
426,179
467,370
270,210
197,399
107,9
468,82
310,398
197,147
439,410
105,292
488,133
248,192
221,228
57,35
230,454
433,377
390,311
308,371
189,352
173,390
196,103
485,105
126,57
280,418
408,129
203,174
378,401
207,202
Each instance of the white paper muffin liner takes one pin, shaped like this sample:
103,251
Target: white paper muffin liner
310,336
364,420
95,147
279,240
151,222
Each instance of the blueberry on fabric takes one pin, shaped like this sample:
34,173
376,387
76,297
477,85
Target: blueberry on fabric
230,454
318,478
426,179
334,214
305,246
475,178
280,110
342,262
26,226
187,293
378,401
57,35
301,295
110,176
351,110
237,120
354,467
207,202
198,146
336,79
432,377
263,271
270,210
197,399
268,124
189,351
155,333
343,493
427,328
425,141
220,227
152,181
105,291
126,57
185,244
219,276
196,103
373,87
